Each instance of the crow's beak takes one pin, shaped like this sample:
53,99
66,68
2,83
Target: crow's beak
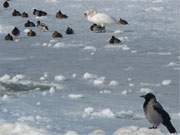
142,96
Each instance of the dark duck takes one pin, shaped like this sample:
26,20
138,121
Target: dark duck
60,15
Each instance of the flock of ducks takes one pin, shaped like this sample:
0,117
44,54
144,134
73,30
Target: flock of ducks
99,20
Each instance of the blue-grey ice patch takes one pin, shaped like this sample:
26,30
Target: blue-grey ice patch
154,9
129,115
5,28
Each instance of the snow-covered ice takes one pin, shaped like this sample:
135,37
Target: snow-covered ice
80,84
20,129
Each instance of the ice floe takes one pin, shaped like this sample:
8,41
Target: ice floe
19,83
59,78
145,90
99,81
52,90
90,48
87,76
126,92
104,113
105,92
166,82
113,83
75,96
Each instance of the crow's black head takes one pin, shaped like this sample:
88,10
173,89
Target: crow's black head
148,96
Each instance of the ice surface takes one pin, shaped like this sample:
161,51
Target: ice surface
80,82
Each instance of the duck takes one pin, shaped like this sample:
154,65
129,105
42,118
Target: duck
15,31
24,15
9,37
101,19
42,26
29,24
6,4
39,13
60,15
69,31
114,40
31,33
56,34
122,21
16,13
97,28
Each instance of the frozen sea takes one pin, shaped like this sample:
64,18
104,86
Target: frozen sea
81,85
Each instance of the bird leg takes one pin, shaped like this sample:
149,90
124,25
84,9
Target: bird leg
153,127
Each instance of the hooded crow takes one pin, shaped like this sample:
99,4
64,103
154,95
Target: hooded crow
156,114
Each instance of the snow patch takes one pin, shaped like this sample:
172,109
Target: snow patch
105,92
99,81
18,83
146,90
166,82
87,76
71,133
52,90
20,129
125,92
125,114
98,132
90,48
59,78
59,45
75,96
26,30
105,113
133,130
113,83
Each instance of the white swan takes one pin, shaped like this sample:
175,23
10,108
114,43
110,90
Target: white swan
102,19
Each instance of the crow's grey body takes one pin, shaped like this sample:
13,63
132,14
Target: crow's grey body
151,114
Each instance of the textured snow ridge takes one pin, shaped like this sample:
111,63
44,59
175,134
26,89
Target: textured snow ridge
20,129
137,131
105,113
19,83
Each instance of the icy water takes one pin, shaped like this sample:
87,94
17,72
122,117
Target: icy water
80,82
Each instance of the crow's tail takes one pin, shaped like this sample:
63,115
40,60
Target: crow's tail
170,127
